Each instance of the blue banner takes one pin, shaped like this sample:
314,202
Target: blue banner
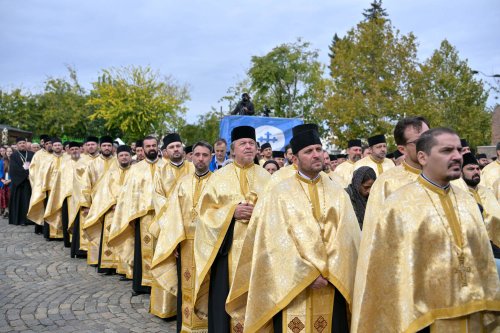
276,131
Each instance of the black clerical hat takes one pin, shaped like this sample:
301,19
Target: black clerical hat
304,127
73,144
304,139
169,138
265,146
44,137
354,143
376,139
464,143
105,139
469,159
92,139
479,156
188,149
243,132
123,148
21,138
332,157
139,143
55,139
278,154
65,143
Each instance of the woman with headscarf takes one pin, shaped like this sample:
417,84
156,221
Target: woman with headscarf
271,166
359,190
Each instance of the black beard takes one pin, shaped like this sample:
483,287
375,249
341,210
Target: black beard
472,182
106,154
125,165
152,155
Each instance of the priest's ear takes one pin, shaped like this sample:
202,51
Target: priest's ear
422,158
402,149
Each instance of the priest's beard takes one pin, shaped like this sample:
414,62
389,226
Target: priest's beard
472,182
106,153
152,155
125,165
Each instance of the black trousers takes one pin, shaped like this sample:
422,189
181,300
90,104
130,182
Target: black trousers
137,274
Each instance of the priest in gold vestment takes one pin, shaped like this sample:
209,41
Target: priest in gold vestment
406,133
346,169
491,172
133,216
485,199
165,181
56,210
297,265
173,261
225,208
38,172
78,202
425,262
102,210
376,160
96,170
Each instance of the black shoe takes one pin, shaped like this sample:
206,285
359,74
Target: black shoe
124,278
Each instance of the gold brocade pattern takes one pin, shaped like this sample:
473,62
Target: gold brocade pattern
409,275
310,311
345,171
179,228
490,174
379,168
97,170
285,250
386,184
135,201
60,176
491,211
105,197
216,210
39,179
165,180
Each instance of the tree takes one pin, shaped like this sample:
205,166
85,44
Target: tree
331,49
454,97
375,11
285,80
372,77
63,106
206,128
136,101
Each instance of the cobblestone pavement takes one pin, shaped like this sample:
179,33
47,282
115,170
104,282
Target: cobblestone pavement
43,290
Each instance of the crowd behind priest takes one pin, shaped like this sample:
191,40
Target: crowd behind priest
233,237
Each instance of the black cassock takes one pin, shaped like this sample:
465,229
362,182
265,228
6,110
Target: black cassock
21,188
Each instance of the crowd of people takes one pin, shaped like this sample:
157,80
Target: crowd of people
240,238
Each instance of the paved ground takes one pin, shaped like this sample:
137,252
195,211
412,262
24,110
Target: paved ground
43,290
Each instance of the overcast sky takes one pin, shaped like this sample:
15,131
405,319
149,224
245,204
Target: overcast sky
208,44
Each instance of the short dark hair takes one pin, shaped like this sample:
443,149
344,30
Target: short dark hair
428,139
287,147
150,137
203,144
403,124
219,141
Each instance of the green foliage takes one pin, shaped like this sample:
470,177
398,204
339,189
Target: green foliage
206,128
285,80
453,97
138,101
372,75
375,11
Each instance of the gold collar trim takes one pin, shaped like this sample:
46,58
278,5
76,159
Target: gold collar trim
436,189
411,169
